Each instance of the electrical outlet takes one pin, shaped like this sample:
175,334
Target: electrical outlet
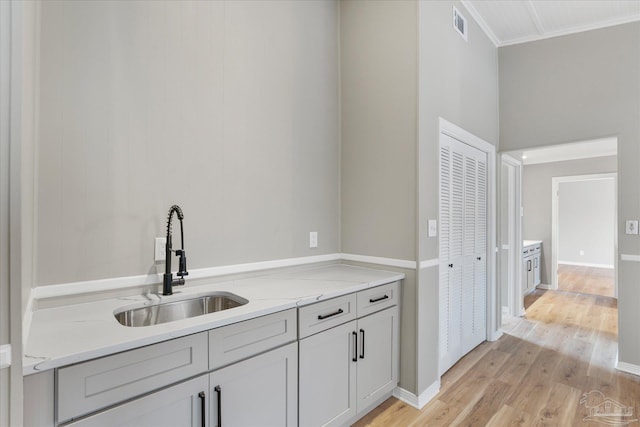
161,243
631,227
313,239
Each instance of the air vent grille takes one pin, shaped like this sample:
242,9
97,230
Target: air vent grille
460,23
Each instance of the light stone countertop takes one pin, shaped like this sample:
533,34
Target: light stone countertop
74,333
526,243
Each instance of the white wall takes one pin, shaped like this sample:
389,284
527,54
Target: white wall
227,108
586,218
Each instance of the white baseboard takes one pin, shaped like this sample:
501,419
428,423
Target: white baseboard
628,368
586,264
417,402
495,335
543,286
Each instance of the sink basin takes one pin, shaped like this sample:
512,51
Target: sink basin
178,310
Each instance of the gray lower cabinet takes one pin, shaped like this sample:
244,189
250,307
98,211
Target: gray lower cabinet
349,369
180,405
328,377
261,391
378,358
531,256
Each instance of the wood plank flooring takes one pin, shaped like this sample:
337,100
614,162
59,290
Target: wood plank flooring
536,374
586,280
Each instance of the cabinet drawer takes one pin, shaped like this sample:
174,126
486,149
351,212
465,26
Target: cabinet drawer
323,315
98,383
242,340
378,298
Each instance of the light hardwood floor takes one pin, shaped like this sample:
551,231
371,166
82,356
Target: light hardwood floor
536,374
586,280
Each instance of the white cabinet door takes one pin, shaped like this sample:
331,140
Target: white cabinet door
181,405
377,366
328,377
536,269
260,391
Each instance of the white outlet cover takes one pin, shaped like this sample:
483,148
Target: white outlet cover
160,244
632,227
313,239
433,228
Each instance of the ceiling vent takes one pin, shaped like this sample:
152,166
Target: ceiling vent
460,23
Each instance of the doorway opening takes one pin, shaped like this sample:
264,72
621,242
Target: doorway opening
584,237
542,172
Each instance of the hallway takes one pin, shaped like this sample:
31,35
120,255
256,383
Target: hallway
535,374
586,280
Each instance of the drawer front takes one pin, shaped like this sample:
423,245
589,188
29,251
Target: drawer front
323,315
96,384
378,298
230,344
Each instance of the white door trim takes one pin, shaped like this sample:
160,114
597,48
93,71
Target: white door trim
555,185
516,299
494,307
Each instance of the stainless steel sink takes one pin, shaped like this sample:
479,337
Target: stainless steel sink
178,310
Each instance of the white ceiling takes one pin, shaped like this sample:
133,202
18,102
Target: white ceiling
572,151
509,22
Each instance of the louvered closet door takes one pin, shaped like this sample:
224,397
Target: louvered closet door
462,300
451,234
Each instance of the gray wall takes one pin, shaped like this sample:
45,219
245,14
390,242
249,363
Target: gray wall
229,109
379,86
586,220
459,82
402,67
378,143
580,87
536,199
5,306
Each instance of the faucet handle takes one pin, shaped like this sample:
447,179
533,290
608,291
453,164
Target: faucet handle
182,270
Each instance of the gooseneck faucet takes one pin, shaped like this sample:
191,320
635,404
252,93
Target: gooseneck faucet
168,281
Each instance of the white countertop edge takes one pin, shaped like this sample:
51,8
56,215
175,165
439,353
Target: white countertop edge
33,364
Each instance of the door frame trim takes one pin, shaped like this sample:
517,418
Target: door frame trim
516,300
494,307
555,226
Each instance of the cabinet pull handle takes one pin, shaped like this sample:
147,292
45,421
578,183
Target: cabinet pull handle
355,346
326,316
535,262
479,258
379,299
218,390
201,395
450,265
528,265
362,348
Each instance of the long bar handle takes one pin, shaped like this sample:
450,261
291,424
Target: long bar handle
203,407
355,346
362,348
379,299
326,316
218,390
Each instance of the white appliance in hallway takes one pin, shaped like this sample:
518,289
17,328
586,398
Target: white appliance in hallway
463,249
